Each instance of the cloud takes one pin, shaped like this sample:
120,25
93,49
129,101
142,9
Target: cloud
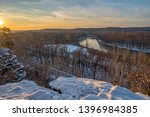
20,1
76,12
92,12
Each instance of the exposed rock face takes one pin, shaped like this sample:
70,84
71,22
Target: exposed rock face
10,69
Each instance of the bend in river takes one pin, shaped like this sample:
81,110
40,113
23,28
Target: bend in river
97,44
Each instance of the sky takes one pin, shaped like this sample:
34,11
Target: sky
39,14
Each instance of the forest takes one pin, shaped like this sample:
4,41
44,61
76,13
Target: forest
45,55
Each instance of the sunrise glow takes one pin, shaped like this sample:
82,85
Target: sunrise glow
40,14
1,22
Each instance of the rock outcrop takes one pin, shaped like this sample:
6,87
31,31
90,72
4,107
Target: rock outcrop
67,88
88,89
10,69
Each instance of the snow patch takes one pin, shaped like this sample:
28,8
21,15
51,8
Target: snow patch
69,47
25,90
72,87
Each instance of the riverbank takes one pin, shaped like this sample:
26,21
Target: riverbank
99,44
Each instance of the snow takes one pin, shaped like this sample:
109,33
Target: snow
68,88
25,90
144,96
81,88
4,51
72,87
122,93
93,44
70,48
127,46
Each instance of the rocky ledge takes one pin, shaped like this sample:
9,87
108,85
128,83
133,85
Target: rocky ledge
68,89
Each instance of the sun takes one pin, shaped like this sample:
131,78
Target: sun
1,22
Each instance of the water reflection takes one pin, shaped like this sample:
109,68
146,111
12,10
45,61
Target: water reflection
94,44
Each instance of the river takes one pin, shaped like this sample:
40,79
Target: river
92,43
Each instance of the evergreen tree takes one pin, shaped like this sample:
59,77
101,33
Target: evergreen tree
6,38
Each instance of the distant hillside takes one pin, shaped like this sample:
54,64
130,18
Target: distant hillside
116,29
91,29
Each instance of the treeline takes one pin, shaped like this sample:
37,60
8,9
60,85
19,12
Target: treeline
133,38
48,37
26,41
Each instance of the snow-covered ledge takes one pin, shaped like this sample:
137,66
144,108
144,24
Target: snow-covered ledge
88,89
67,88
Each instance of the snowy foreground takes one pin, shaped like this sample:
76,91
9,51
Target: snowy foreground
67,88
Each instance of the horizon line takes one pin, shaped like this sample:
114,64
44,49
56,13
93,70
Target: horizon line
78,28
